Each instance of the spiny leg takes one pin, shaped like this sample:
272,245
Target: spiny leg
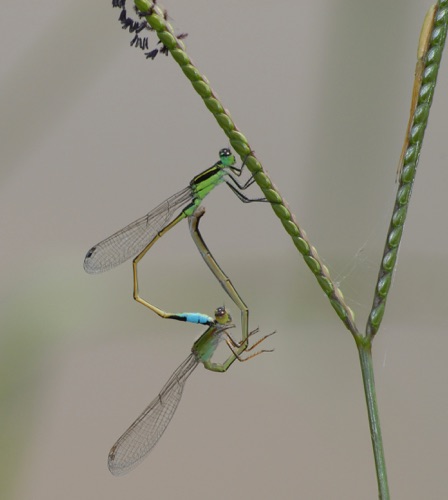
239,170
236,187
242,197
235,345
222,367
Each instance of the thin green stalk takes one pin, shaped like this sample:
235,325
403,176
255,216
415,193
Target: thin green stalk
365,359
425,83
241,146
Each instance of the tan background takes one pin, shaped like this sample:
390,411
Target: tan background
93,136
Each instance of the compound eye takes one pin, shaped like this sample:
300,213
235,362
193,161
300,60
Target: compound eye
220,312
225,152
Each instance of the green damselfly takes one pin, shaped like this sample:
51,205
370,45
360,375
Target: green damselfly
141,437
139,236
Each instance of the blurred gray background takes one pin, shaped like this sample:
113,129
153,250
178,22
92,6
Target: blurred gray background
94,136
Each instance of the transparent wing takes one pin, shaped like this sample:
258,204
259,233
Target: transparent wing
131,240
143,434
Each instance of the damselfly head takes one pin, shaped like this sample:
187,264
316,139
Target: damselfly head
226,157
222,316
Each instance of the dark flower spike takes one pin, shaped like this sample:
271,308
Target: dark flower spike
118,3
152,54
122,18
164,50
139,42
138,25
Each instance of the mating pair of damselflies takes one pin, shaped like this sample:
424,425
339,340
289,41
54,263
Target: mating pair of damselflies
134,241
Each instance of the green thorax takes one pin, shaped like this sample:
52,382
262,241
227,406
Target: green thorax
207,180
206,345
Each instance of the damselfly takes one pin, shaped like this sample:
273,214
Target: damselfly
141,437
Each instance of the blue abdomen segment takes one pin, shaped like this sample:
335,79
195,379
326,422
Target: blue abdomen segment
201,319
